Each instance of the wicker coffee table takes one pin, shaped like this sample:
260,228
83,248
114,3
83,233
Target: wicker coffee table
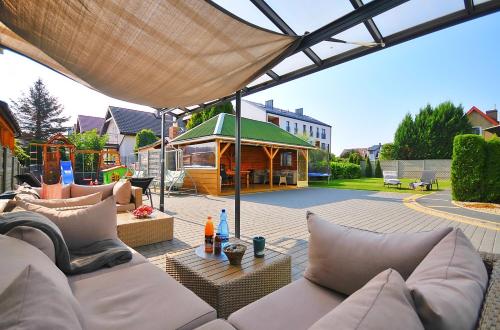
137,232
228,288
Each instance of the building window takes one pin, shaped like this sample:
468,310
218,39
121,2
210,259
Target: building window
477,130
199,155
295,128
304,129
287,126
317,132
323,133
311,131
286,159
322,146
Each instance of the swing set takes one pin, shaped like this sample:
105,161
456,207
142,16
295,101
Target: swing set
89,166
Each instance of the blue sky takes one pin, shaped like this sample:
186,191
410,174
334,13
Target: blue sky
363,100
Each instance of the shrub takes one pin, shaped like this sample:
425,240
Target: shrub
378,169
368,168
355,158
492,172
144,137
467,167
345,170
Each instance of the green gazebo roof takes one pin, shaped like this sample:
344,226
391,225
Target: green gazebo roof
222,126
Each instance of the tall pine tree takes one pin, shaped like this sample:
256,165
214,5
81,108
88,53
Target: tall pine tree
39,113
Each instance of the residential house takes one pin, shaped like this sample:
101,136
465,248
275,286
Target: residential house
88,123
295,122
346,152
9,127
122,124
374,151
482,122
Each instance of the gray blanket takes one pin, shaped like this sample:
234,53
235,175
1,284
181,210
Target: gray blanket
106,253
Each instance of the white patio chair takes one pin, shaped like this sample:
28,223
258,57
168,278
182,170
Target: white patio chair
391,179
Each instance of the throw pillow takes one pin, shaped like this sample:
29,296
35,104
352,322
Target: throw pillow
35,237
449,284
383,303
122,192
69,202
81,190
83,226
344,259
32,301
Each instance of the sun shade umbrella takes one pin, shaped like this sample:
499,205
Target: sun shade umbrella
157,53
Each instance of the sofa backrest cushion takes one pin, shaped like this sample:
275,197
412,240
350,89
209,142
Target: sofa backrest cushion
383,303
81,190
69,202
81,227
449,284
122,192
33,301
35,237
344,259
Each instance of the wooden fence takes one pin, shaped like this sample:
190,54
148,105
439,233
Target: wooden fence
10,167
413,168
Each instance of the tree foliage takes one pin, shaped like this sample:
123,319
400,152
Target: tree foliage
430,134
354,158
387,151
206,114
144,137
492,173
39,113
89,140
468,167
21,154
368,168
378,169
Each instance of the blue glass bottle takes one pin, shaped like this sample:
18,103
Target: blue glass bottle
223,228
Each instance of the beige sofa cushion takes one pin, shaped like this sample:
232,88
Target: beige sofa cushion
33,301
139,297
294,307
219,324
83,226
344,259
81,190
383,303
122,192
125,207
449,284
69,202
35,237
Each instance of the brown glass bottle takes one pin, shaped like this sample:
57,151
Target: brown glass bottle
218,244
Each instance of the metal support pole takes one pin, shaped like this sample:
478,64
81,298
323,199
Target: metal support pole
237,148
162,163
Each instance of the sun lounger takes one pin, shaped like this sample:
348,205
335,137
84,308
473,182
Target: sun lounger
391,179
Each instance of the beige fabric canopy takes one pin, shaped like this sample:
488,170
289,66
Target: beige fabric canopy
161,53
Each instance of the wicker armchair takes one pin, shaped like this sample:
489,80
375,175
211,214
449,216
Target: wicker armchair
490,312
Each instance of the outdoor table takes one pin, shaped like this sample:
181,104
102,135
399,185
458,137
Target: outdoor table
137,232
228,288
242,173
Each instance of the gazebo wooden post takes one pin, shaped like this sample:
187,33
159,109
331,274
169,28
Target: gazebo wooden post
217,164
271,168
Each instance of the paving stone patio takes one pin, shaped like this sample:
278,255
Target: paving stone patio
280,217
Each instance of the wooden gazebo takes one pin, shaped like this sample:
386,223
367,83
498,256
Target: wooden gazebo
271,158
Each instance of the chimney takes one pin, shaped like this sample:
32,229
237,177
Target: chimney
173,131
299,111
493,114
269,104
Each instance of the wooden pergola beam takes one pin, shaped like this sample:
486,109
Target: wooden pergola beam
223,150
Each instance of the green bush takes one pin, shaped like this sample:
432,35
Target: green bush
355,158
492,172
468,167
378,169
344,170
368,168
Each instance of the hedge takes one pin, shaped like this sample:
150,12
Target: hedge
345,170
467,167
368,168
492,172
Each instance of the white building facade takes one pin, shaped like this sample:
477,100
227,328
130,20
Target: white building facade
318,133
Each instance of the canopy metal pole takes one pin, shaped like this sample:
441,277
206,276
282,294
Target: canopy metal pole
162,163
237,148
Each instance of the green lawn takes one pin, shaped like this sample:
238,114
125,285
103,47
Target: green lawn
376,184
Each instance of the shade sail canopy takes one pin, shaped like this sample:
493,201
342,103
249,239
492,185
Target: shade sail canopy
157,53
192,53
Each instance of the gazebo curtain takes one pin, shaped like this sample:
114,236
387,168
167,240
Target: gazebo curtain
158,53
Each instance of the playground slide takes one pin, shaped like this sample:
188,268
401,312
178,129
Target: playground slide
66,173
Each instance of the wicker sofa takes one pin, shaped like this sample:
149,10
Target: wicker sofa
36,294
75,190
306,304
